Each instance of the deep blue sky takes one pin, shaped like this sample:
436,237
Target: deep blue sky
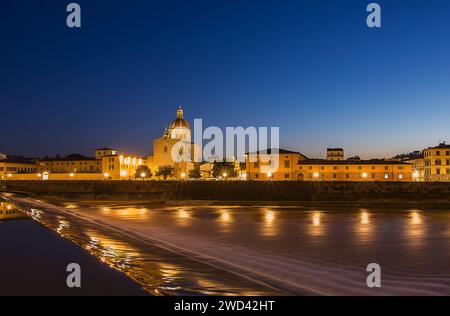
311,67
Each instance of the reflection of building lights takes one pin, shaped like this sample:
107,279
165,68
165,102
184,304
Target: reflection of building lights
225,216
183,214
269,217
365,218
316,218
416,218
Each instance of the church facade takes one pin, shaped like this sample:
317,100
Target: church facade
175,148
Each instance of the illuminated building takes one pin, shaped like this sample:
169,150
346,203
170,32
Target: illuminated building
335,154
293,166
437,163
265,169
17,168
174,143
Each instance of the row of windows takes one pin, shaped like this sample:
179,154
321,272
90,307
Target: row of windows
437,162
439,171
18,169
347,176
437,153
69,163
348,168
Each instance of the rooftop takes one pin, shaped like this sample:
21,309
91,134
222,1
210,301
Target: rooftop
72,157
440,146
350,162
280,151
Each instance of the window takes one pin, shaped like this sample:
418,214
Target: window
438,171
310,167
347,176
165,149
322,168
286,175
386,168
448,170
386,175
335,167
256,175
437,162
347,167
256,164
400,167
373,167
400,176
287,163
373,175
334,176
359,168
438,153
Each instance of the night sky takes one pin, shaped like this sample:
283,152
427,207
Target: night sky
313,68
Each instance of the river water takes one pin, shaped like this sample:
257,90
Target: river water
259,250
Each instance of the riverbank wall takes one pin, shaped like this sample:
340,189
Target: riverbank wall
233,190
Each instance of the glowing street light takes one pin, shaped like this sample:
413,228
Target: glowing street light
269,174
183,175
316,175
143,175
364,175
224,174
106,175
71,174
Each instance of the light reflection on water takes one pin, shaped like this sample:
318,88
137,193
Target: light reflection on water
350,237
269,227
158,271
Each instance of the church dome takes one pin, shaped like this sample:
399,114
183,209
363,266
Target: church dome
179,122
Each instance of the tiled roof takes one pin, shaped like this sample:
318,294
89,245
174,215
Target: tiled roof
350,162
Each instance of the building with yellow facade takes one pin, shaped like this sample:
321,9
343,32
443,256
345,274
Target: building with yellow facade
293,166
437,163
16,168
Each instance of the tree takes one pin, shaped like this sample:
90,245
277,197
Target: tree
224,167
195,173
165,172
143,172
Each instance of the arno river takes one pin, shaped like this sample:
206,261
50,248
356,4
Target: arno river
257,250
